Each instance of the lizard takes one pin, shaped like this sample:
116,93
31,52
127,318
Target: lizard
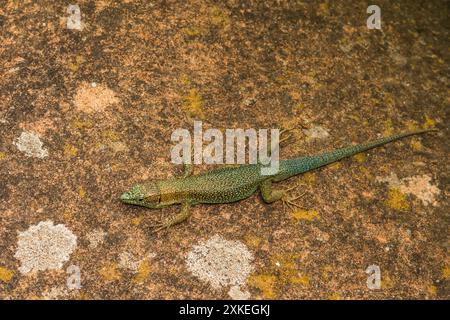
231,184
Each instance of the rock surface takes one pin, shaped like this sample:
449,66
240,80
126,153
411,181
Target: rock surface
103,100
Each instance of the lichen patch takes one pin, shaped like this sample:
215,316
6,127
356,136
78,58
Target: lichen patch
420,186
95,238
44,247
220,262
90,99
30,143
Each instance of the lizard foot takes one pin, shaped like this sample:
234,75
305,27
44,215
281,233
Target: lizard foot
288,203
159,226
178,218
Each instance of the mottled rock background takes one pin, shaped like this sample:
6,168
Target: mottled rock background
104,100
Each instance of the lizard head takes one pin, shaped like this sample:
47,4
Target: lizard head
146,195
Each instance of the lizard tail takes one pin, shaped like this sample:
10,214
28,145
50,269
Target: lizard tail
304,164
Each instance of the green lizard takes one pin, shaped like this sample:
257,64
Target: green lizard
230,184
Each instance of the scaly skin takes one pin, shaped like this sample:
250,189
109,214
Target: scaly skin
232,184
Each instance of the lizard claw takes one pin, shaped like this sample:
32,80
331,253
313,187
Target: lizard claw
289,202
159,226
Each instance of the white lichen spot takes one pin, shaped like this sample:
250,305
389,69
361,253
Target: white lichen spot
236,293
220,262
316,132
392,180
30,144
131,262
128,261
419,186
44,247
56,293
95,238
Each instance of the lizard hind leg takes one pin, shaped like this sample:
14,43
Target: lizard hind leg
178,218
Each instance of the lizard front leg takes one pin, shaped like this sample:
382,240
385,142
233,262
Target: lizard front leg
178,218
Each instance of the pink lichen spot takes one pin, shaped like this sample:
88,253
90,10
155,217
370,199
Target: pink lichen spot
90,99
420,186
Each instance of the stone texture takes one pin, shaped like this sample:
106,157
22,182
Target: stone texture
105,99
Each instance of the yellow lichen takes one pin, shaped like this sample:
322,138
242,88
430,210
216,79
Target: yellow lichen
194,31
143,271
388,128
136,221
185,80
252,241
80,124
67,215
70,151
110,135
366,172
265,283
327,271
81,192
2,155
335,166
323,9
300,106
389,100
74,66
301,279
193,104
335,296
387,282
6,274
397,200
109,272
412,125
309,178
416,145
285,265
360,157
446,272
429,123
431,290
219,17
308,215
